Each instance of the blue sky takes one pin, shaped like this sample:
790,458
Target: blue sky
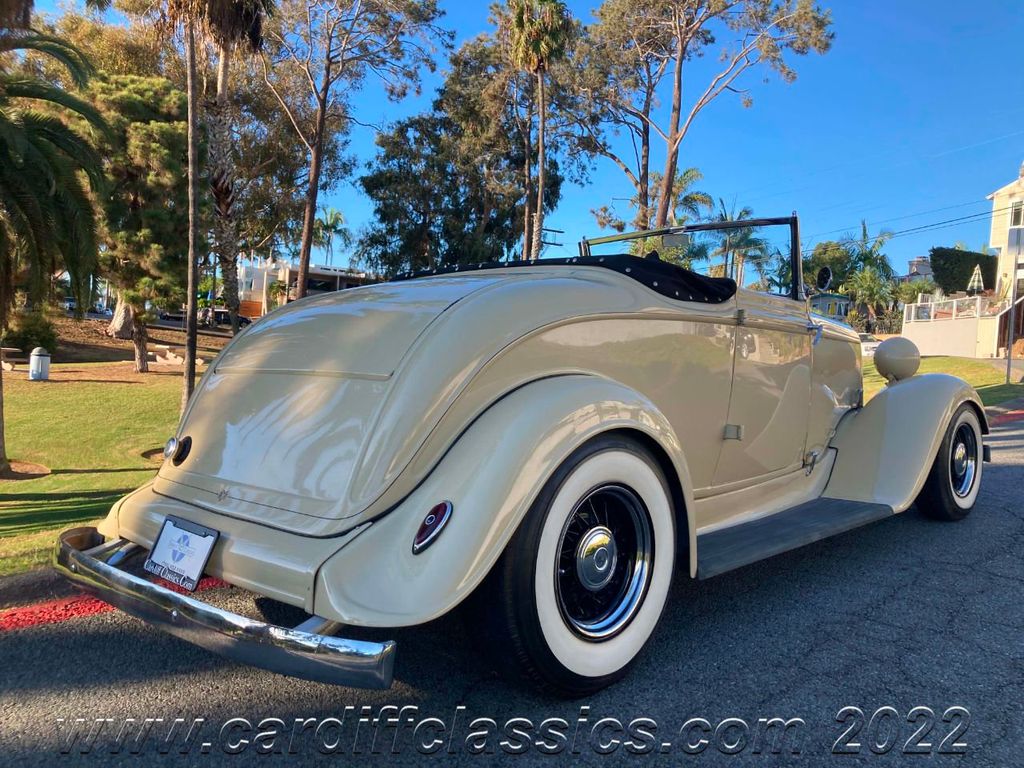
913,117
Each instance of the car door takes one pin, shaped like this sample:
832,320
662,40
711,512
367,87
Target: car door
766,430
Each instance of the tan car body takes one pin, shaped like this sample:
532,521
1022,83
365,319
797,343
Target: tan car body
323,434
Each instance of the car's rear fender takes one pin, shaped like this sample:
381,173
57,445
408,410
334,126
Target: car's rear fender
886,449
491,475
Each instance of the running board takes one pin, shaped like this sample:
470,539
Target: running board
746,543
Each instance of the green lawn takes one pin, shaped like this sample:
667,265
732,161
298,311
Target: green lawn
91,432
982,375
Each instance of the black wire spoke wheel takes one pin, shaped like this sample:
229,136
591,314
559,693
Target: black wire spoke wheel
963,460
605,557
954,481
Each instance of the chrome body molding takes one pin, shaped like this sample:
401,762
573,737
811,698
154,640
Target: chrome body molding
91,564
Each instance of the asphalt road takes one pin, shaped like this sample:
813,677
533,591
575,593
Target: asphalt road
906,613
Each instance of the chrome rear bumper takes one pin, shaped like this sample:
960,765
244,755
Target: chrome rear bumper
88,562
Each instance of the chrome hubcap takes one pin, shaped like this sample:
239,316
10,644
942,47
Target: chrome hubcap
596,558
963,460
605,556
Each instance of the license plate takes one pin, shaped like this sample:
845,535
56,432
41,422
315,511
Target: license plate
181,551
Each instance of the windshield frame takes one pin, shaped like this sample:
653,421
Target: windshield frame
796,290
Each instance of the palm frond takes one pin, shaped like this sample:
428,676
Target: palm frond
39,90
79,67
39,127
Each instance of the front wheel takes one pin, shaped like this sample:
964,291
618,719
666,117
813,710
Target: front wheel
581,586
952,485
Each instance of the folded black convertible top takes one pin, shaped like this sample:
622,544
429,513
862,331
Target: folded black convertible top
667,279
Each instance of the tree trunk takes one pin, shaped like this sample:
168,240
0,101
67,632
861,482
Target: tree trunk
538,218
121,323
222,184
312,190
527,185
643,209
5,464
672,150
193,229
140,342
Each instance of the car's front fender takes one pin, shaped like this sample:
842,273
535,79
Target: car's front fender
886,448
491,475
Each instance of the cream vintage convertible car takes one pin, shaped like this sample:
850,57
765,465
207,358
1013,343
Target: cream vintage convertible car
557,439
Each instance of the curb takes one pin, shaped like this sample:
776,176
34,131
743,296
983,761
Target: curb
993,411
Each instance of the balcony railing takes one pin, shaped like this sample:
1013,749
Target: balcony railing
952,309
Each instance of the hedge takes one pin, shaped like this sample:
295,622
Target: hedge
952,268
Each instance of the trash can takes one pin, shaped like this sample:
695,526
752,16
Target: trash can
39,365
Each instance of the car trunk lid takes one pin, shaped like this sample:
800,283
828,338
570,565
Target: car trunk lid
279,426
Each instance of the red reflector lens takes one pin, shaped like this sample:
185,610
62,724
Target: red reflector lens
431,526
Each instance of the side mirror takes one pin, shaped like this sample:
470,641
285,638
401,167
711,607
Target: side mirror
824,279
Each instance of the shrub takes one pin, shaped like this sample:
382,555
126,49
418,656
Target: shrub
30,330
952,268
890,321
858,321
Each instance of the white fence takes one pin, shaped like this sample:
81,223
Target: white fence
953,309
967,327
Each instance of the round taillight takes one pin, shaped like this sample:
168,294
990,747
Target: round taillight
432,525
170,447
176,450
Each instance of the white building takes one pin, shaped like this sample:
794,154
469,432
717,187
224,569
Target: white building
257,279
975,326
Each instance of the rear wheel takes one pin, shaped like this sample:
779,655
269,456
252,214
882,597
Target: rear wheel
952,486
582,584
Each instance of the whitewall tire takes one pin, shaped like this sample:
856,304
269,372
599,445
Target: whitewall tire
952,486
581,586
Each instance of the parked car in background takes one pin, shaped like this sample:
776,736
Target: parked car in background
551,442
868,345
68,304
217,317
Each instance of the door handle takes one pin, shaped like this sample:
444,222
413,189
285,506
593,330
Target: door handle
817,329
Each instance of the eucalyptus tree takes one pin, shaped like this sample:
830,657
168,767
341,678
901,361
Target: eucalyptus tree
538,34
47,171
687,204
637,45
335,46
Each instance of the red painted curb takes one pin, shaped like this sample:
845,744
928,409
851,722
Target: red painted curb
56,611
1006,418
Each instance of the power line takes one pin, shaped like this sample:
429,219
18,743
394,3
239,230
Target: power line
900,218
975,217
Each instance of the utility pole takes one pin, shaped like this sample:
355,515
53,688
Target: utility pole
1016,247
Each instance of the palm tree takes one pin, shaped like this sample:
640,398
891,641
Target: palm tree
229,23
739,244
907,293
870,289
189,14
329,225
46,214
867,251
539,33
688,204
